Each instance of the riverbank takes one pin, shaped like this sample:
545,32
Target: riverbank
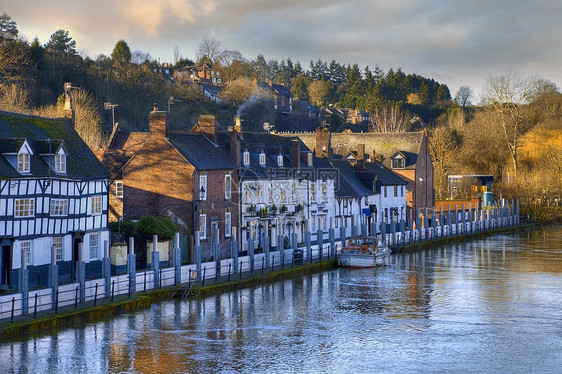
88,312
459,238
80,313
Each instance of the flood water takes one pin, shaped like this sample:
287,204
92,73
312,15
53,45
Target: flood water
484,306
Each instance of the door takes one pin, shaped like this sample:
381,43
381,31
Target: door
6,264
76,241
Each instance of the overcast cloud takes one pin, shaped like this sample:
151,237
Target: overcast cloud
454,42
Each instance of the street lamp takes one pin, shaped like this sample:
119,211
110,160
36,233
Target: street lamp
110,106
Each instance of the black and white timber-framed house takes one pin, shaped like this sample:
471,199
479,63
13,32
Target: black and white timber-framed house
53,200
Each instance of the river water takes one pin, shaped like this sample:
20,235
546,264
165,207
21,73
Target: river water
484,306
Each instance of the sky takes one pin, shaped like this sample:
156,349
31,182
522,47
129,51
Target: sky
458,43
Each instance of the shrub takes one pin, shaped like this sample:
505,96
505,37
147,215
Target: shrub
152,225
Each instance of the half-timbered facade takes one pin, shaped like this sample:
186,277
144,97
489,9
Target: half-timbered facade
53,200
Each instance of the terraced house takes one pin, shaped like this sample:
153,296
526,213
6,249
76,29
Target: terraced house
53,200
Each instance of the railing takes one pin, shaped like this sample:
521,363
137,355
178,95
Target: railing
68,296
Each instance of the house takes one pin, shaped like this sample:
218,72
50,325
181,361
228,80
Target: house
210,91
203,74
405,153
53,200
284,188
181,175
282,97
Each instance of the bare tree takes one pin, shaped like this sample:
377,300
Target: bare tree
87,118
443,144
208,51
388,118
505,98
318,91
464,96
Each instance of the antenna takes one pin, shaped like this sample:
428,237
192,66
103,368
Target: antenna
109,106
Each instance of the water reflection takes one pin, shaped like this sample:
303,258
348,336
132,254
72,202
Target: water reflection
490,305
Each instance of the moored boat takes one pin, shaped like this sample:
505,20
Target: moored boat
364,252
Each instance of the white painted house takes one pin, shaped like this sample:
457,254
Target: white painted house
53,200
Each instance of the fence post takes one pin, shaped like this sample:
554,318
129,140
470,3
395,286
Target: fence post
35,307
112,289
155,264
76,299
96,295
177,259
106,266
132,265
57,301
13,306
204,275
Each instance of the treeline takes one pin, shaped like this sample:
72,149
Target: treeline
32,76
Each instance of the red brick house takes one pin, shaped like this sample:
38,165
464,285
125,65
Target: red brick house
184,176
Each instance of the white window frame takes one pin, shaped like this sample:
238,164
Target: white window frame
96,205
58,207
94,245
26,247
119,189
227,224
262,159
228,186
312,191
24,207
202,226
280,160
58,244
246,158
60,162
203,187
24,162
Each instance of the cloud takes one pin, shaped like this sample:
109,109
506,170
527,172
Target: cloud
458,42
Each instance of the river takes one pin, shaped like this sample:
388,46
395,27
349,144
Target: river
484,306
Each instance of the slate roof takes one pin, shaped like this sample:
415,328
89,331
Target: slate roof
201,153
385,144
349,185
81,163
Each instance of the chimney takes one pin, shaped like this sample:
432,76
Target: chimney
235,149
360,157
295,153
157,121
238,125
209,127
323,146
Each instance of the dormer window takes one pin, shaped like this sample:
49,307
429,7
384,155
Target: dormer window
398,162
246,158
60,162
23,161
280,160
262,159
309,158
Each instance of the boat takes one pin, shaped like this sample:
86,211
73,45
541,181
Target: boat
364,252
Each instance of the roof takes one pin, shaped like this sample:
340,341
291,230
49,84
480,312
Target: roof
45,136
385,144
201,153
349,185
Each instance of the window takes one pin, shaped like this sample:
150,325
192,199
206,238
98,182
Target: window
246,158
119,189
24,208
202,187
227,186
57,244
312,187
59,207
260,192
395,191
402,191
26,247
23,162
384,191
227,224
280,160
398,163
262,159
309,157
96,205
203,226
94,245
324,191
60,162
